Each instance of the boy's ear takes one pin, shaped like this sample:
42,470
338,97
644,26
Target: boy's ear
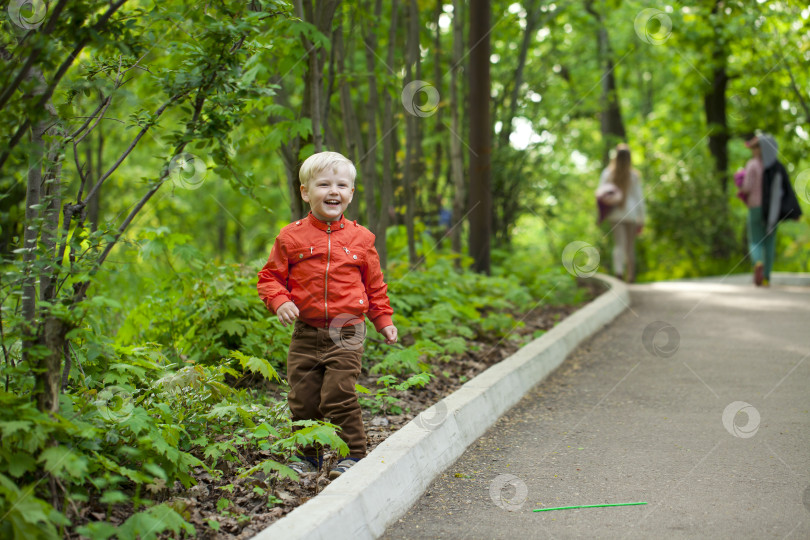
304,193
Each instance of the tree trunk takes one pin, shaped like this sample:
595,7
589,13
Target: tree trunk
31,229
48,377
613,131
480,136
313,82
237,244
389,136
33,201
289,155
368,162
714,103
52,187
411,131
435,192
94,203
311,106
351,127
222,234
532,19
42,189
612,124
456,155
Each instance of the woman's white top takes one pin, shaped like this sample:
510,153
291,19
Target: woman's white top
632,209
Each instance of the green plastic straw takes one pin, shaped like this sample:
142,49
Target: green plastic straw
587,506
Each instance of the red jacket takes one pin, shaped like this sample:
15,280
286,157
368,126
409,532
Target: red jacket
327,270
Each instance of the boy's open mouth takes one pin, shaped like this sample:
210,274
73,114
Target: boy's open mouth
332,202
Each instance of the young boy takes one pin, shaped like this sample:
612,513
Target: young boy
323,275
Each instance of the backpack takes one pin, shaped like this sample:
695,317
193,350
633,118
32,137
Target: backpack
789,208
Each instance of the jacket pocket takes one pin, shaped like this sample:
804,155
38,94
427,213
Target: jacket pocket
351,256
302,254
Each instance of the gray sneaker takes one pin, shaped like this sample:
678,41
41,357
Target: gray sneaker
343,465
303,466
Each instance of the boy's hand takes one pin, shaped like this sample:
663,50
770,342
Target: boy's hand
390,334
287,313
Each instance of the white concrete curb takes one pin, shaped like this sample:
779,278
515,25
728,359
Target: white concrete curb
383,486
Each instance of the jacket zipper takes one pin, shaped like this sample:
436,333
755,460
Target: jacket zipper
326,276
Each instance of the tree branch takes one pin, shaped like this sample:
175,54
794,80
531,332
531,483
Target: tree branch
132,145
46,96
9,90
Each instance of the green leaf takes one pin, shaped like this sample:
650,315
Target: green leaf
232,327
256,365
264,430
148,524
269,466
138,421
113,496
12,426
97,530
19,464
60,459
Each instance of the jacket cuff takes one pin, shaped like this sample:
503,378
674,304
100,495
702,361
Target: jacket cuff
382,321
276,302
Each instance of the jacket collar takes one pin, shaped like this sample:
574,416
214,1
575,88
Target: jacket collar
322,225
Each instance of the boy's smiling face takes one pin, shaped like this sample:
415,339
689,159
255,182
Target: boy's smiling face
329,192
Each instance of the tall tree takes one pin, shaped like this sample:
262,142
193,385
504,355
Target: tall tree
480,199
412,139
714,106
714,100
508,180
456,154
612,123
313,102
389,136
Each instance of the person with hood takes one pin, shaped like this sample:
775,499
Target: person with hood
770,200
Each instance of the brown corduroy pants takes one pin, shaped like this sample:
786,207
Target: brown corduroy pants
322,368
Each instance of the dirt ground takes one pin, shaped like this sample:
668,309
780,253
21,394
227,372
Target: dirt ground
249,511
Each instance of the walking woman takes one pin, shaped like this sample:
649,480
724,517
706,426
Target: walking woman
760,244
627,215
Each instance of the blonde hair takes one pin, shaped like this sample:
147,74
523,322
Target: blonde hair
620,169
320,162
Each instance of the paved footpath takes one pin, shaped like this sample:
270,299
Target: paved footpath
695,400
